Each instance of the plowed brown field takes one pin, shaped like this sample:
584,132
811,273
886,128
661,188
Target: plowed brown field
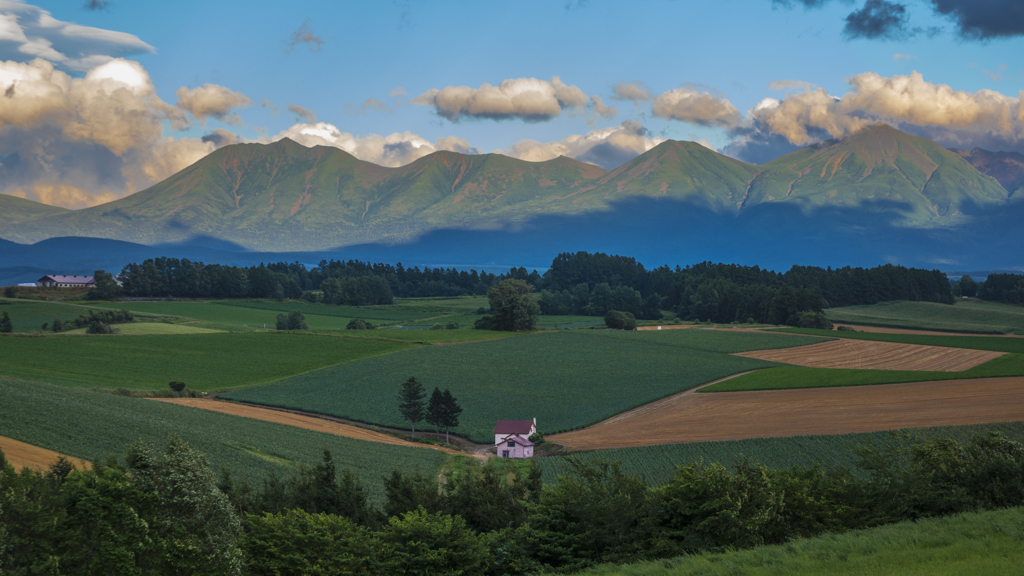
22,455
737,415
298,420
868,355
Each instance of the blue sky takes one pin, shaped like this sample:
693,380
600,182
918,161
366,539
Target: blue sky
729,53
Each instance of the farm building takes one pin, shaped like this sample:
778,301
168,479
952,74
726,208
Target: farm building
511,438
60,281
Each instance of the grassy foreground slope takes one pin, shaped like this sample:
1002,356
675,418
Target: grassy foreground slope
657,464
93,425
964,316
202,361
979,544
566,380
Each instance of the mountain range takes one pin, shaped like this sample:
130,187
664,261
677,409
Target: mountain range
287,197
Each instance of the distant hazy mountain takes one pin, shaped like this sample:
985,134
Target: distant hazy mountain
286,197
1006,167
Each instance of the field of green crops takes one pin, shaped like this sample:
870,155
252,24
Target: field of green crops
566,380
658,463
93,425
787,377
994,343
203,361
28,315
964,316
979,544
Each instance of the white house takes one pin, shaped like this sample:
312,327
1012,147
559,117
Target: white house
511,438
59,281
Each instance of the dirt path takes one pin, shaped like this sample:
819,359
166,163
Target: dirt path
299,420
669,327
22,455
737,415
880,330
870,355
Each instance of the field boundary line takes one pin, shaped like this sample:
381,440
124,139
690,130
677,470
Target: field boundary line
628,414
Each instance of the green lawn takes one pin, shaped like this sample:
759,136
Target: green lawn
93,425
566,379
29,315
964,316
975,544
657,464
787,377
203,361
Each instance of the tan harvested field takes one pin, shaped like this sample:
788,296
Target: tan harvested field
738,415
298,420
880,330
669,327
868,355
22,455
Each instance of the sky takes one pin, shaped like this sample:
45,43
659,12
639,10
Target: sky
101,99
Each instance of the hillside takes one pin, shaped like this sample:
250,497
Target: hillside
286,197
879,168
1006,167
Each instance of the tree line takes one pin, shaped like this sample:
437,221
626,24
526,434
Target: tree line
166,512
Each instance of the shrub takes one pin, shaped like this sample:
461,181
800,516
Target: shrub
97,327
297,321
452,326
5,324
309,296
357,324
620,320
811,319
481,310
45,326
537,438
177,386
437,327
57,325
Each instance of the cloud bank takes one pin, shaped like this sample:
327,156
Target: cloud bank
527,99
213,101
608,147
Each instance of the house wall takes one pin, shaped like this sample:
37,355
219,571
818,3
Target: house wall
516,451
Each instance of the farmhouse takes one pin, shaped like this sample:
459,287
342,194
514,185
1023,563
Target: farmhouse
511,438
59,281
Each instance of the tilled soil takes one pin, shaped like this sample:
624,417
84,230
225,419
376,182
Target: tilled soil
869,355
22,455
813,411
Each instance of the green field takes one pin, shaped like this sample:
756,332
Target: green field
566,379
657,464
29,315
975,544
787,377
203,361
93,425
964,316
149,328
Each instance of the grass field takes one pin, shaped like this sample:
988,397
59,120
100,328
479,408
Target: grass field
979,544
995,343
964,316
657,464
29,315
565,379
786,377
150,328
93,425
202,361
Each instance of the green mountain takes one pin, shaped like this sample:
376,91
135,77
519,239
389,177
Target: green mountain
286,197
14,210
878,166
1006,167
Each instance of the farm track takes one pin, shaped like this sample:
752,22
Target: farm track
814,411
299,420
871,355
669,327
22,455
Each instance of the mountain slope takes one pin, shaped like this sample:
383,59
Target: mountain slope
14,210
879,168
1006,167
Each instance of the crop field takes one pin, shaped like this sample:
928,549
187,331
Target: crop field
566,379
202,361
964,316
29,315
22,455
221,316
994,343
150,328
765,414
658,463
977,543
787,377
868,355
93,425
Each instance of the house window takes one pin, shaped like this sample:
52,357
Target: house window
511,443
504,453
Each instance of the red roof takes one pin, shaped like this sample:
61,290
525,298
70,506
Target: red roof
517,439
513,427
67,279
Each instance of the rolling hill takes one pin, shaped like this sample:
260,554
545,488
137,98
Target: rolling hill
286,197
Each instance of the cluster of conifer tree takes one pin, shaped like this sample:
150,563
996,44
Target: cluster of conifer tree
167,513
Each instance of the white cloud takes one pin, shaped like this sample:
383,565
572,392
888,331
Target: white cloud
526,99
608,147
702,108
28,32
211,100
